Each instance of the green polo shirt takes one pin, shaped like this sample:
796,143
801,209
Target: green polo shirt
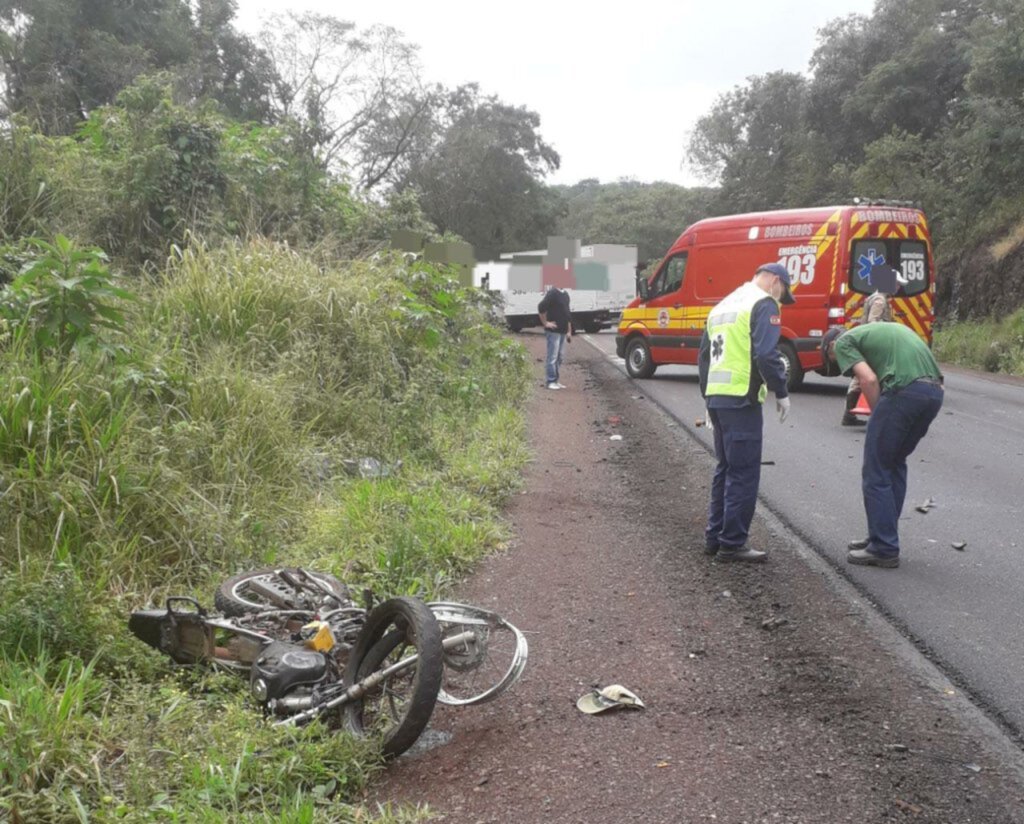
894,352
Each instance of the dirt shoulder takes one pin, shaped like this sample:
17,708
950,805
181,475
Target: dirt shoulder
769,697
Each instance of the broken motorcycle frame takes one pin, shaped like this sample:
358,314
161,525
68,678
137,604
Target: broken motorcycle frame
310,651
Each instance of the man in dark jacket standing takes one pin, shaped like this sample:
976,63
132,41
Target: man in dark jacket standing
738,356
557,321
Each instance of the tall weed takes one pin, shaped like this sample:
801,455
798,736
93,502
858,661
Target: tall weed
992,346
214,440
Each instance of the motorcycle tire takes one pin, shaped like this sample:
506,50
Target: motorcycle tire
234,600
399,709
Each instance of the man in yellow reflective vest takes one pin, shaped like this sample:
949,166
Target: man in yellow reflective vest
738,364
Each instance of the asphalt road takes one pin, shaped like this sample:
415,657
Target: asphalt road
963,607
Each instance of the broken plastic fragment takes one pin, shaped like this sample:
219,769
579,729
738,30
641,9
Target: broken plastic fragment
961,545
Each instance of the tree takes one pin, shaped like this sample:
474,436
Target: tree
753,141
229,67
64,58
481,174
357,95
649,215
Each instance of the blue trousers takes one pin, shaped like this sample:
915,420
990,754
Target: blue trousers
897,423
556,348
738,439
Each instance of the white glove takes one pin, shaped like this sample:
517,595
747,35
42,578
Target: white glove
707,420
782,407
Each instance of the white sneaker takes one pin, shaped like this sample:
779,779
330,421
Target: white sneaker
559,386
554,386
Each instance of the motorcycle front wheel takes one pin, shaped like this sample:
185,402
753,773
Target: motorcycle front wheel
400,644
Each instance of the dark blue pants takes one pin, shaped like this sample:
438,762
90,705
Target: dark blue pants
897,424
737,475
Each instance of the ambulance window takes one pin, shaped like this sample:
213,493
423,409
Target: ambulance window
913,263
865,254
670,278
909,256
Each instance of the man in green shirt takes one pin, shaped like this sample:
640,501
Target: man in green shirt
903,385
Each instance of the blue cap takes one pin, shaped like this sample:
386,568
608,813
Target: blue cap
776,269
782,274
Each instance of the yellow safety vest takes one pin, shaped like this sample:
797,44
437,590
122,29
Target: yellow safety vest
729,331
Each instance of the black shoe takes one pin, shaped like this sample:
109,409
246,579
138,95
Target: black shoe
864,543
710,549
750,556
862,557
852,420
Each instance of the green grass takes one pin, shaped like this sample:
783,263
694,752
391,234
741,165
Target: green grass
992,346
208,436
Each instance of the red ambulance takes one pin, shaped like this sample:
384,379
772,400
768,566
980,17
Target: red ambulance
829,253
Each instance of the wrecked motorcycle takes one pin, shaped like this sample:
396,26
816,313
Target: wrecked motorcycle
311,651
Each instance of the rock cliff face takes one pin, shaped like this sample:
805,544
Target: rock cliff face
984,282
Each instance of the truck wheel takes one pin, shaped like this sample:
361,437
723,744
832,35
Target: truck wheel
638,359
515,326
794,371
592,327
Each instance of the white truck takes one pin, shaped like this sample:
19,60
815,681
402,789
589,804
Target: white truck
600,279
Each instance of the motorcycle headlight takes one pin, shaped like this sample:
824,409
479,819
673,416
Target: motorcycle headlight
259,689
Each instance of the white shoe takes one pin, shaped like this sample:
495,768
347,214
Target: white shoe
559,386
554,386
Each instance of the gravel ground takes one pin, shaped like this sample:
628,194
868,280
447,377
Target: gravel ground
769,698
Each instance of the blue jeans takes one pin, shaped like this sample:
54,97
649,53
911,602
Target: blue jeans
556,348
897,423
738,440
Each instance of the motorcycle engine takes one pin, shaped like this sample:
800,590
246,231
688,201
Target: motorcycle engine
281,667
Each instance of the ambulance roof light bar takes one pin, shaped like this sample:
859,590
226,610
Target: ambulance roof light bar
881,201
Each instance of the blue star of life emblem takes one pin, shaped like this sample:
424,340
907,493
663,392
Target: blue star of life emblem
866,263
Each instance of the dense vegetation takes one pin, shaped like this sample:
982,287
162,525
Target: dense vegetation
200,321
153,442
923,100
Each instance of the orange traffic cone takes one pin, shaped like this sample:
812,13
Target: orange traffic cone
862,407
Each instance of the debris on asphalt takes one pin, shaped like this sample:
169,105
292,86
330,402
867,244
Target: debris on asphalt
615,438
924,507
961,545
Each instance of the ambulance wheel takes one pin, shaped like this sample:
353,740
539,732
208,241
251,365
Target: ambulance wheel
638,359
794,371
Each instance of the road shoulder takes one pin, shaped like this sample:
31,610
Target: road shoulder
769,696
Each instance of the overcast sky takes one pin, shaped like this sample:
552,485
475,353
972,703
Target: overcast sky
617,86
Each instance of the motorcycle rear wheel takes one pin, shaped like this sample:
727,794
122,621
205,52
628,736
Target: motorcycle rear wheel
238,595
399,708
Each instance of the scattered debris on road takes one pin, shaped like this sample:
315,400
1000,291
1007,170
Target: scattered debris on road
924,507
